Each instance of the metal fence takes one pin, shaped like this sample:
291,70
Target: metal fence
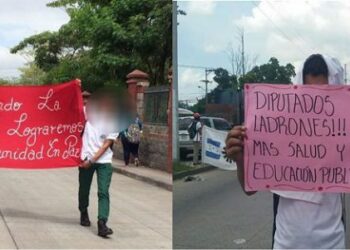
156,105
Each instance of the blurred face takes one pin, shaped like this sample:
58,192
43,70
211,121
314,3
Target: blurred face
107,106
101,108
315,80
102,113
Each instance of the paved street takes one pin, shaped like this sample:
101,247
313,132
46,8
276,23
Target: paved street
38,209
215,213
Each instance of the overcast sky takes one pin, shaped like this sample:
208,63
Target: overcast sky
20,19
287,30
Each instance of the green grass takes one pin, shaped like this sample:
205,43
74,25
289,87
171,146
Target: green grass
180,167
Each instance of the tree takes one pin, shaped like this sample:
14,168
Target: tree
7,81
271,72
105,40
184,105
3,81
31,74
239,60
199,106
180,12
224,79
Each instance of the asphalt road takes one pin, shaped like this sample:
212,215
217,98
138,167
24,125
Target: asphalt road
215,213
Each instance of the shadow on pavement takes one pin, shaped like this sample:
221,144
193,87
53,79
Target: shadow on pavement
16,213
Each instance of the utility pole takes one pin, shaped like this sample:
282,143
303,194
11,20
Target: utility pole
206,81
185,102
238,90
243,59
345,74
175,97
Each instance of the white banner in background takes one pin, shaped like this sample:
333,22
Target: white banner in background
213,143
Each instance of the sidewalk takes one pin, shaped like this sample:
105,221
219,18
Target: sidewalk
39,209
152,176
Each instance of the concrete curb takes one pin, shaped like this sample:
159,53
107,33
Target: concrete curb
192,172
148,180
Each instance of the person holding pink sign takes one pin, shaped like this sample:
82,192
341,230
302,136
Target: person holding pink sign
302,219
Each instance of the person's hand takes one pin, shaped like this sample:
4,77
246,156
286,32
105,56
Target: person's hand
235,143
85,164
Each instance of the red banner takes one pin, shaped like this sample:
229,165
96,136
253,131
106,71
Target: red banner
41,126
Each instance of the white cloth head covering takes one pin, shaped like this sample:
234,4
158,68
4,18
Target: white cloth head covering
335,72
335,77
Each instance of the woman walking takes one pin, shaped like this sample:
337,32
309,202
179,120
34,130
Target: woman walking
130,139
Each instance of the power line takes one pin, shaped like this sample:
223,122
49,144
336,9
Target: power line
294,31
207,71
279,29
194,66
192,94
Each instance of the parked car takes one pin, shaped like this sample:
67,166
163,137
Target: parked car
184,112
185,143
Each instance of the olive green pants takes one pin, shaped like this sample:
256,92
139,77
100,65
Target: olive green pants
104,175
196,147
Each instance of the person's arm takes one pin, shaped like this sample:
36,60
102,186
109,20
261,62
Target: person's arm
87,163
189,126
234,150
140,125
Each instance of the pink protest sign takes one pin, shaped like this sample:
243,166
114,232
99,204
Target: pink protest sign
298,138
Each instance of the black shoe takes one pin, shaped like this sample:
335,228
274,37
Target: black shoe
84,219
103,230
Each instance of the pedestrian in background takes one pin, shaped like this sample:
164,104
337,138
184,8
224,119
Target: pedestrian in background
130,139
195,133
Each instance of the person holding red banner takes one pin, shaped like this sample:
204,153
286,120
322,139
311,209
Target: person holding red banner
302,219
98,138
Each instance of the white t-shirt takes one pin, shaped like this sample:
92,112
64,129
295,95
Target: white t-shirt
301,224
197,137
93,139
